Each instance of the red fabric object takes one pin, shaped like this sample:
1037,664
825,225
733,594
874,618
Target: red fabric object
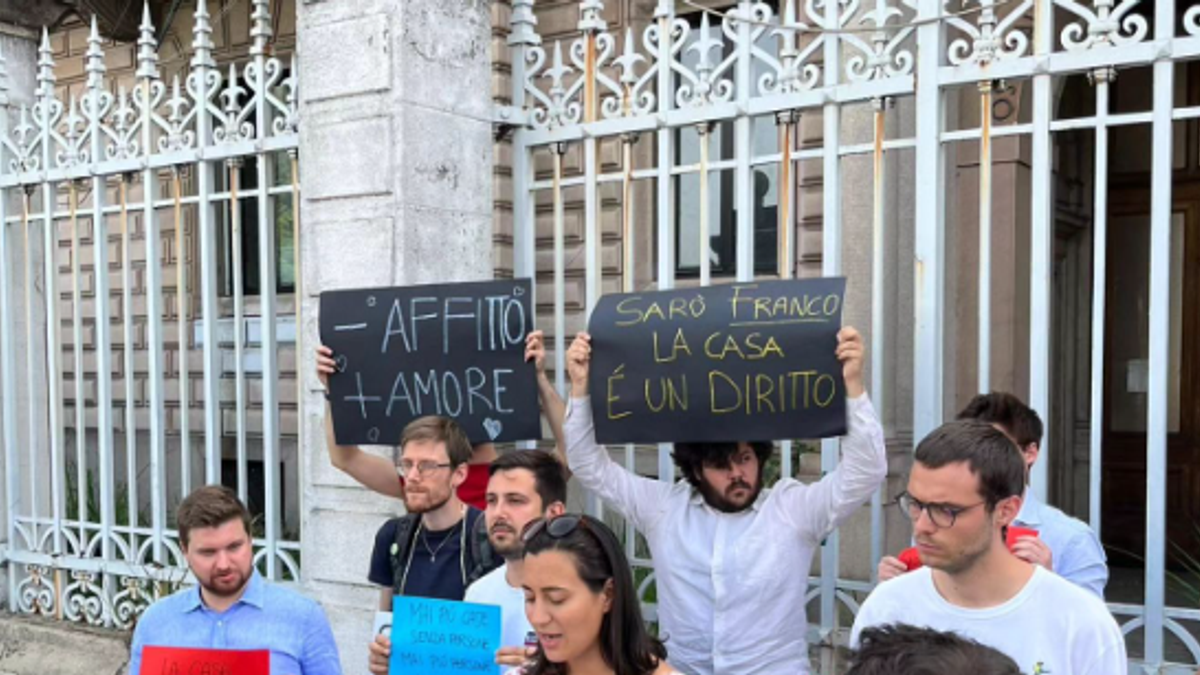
910,558
1015,533
473,490
171,660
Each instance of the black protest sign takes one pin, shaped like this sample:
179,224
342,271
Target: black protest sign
456,350
734,362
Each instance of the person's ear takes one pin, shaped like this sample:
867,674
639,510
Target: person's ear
607,594
1007,510
555,510
459,476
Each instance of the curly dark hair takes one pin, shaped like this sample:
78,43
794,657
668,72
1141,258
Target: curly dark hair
898,649
691,458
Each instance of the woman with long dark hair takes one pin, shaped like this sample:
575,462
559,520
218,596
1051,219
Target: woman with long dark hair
580,598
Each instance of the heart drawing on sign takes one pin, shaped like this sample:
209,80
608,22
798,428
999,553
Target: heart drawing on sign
493,428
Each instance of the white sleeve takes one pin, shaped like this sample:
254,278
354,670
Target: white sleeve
1106,658
817,509
637,498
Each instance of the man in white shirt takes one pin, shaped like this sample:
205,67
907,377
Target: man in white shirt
1063,544
523,487
731,558
964,489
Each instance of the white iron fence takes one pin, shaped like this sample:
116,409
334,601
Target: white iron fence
143,232
722,92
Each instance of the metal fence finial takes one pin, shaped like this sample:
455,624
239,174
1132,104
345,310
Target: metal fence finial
147,56
202,43
523,24
261,30
589,16
95,58
45,77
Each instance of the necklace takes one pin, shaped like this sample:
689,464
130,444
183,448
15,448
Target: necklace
433,551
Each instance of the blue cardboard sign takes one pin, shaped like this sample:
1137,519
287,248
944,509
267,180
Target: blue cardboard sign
439,637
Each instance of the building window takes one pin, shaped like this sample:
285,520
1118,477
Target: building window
280,211
722,195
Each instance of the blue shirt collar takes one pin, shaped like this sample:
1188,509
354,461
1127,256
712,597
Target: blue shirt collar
1031,508
253,595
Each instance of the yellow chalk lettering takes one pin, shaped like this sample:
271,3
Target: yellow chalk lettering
831,386
831,305
621,309
678,306
712,391
763,394
737,297
612,397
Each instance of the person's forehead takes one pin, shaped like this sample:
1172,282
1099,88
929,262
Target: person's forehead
425,449
952,483
516,480
221,535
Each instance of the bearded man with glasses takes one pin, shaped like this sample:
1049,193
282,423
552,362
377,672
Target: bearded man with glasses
964,489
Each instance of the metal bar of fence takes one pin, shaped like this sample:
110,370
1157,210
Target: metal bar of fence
101,326
1041,244
831,265
267,298
743,176
183,344
787,122
131,457
156,362
930,251
80,402
1099,299
239,327
664,15
984,326
1158,347
560,290
879,332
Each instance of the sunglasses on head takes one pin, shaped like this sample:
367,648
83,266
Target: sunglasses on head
557,528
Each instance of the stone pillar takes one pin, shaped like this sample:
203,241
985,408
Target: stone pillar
18,71
396,181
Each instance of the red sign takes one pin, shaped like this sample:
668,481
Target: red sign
179,661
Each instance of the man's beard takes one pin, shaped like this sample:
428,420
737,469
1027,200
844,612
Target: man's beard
721,502
226,591
511,551
432,506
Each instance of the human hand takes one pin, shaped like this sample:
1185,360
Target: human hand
1034,550
380,655
535,350
514,656
579,358
850,353
890,567
326,365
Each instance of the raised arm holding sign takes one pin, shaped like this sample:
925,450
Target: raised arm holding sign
719,528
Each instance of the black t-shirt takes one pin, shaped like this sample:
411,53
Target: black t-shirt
436,567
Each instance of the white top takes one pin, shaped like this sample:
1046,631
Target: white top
1078,555
731,586
493,589
1052,626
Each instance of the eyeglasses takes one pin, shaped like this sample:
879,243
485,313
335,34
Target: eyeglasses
941,515
557,528
425,468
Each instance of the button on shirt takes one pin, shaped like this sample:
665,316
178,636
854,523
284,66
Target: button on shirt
731,586
1078,555
267,616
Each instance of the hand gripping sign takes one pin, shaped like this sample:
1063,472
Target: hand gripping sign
455,350
733,362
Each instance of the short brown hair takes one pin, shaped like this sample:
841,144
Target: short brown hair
439,430
210,506
987,452
1018,420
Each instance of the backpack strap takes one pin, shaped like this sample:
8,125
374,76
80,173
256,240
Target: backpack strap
400,553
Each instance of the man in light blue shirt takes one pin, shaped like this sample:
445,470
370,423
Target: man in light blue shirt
232,607
1064,545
